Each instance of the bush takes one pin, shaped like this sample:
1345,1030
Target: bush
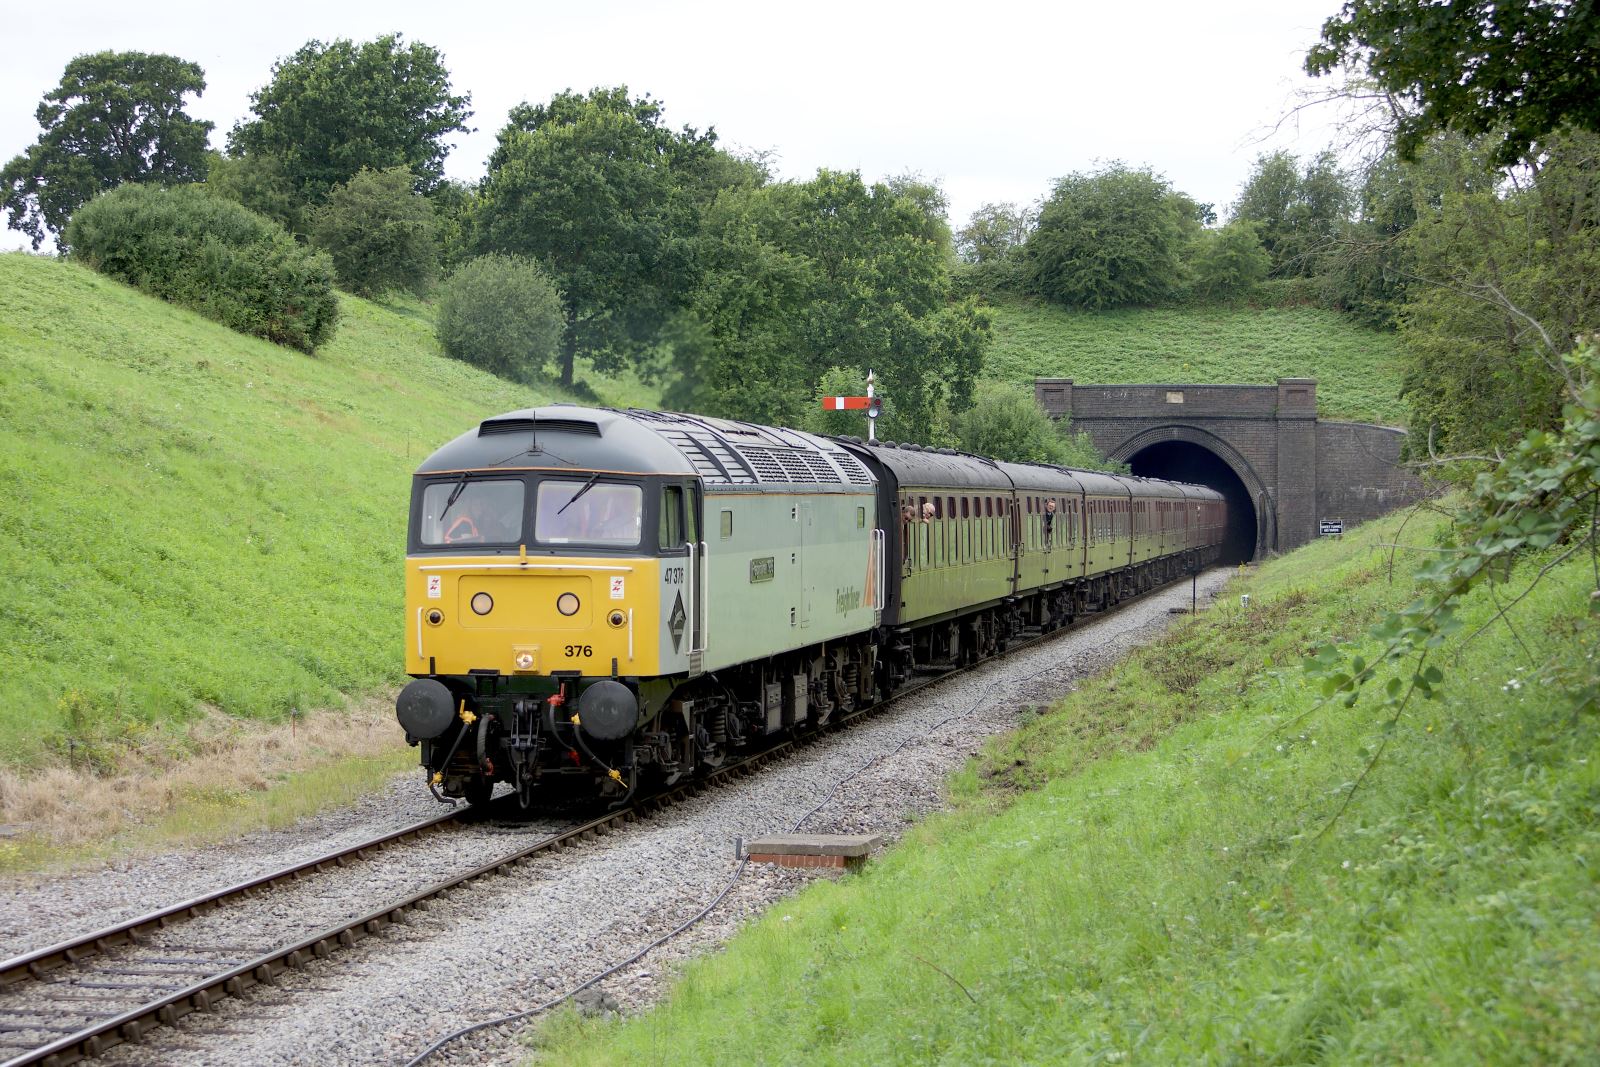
381,234
1229,262
1006,422
503,314
212,255
258,183
1110,239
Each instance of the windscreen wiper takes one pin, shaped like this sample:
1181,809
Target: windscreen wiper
588,485
455,494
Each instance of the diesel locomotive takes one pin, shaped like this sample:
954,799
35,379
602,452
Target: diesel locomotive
601,598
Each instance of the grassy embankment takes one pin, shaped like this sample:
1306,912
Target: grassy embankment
1153,872
203,529
1357,370
200,525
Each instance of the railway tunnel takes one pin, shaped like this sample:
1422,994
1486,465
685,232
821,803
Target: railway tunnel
1286,472
1185,461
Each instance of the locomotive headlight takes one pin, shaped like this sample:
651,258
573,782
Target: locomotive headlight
616,618
567,603
435,617
524,661
482,603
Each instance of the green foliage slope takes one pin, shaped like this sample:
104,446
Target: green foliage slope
193,517
1358,370
1153,872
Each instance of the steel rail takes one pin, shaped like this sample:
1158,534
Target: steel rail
203,995
42,961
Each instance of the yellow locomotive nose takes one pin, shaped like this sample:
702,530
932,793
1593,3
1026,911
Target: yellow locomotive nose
527,615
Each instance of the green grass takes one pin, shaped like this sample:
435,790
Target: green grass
193,517
199,519
1357,370
1153,872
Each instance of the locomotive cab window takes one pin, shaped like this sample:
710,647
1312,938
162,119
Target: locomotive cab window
671,526
588,512
466,512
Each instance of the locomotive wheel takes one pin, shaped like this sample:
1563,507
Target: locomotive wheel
478,790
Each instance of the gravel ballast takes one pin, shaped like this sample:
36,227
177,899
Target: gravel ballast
521,939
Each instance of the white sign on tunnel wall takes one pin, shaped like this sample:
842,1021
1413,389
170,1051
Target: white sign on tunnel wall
1332,527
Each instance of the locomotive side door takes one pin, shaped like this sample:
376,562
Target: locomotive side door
700,551
683,602
803,539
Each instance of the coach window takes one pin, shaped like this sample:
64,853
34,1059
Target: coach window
925,537
947,533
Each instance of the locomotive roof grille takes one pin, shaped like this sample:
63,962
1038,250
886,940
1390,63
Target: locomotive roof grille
712,460
853,468
762,460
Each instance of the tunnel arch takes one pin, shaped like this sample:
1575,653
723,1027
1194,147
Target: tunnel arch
1190,454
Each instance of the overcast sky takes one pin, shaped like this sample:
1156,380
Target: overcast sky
992,99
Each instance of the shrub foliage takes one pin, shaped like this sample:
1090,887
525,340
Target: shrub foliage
381,234
1006,422
1110,239
503,314
211,255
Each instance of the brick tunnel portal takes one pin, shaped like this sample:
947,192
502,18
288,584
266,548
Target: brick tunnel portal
1185,461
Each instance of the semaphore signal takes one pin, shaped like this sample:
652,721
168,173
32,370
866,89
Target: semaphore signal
872,404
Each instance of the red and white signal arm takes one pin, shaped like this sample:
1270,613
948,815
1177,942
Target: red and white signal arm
870,404
845,403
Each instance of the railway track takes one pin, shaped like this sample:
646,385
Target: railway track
79,998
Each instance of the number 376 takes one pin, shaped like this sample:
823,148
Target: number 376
575,651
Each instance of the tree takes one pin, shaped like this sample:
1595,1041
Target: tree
1370,268
1110,239
989,248
502,314
380,234
212,255
1229,262
116,117
1512,282
1511,71
930,198
995,233
1298,212
596,188
1006,422
800,277
259,183
453,205
331,110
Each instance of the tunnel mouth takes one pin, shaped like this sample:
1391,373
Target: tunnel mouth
1183,461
